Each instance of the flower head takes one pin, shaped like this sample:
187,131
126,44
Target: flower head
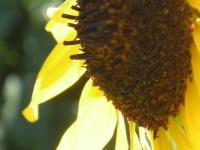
142,58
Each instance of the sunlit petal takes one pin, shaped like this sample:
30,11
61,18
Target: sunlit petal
181,114
62,33
196,67
137,145
58,20
178,135
51,11
121,139
62,9
143,139
194,3
89,92
95,124
196,35
192,111
161,142
57,74
31,113
132,133
134,141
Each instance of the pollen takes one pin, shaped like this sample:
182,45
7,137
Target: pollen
138,53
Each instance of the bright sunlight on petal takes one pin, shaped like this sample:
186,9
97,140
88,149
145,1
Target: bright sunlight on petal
134,141
51,11
121,139
95,123
58,73
57,19
194,3
62,32
143,139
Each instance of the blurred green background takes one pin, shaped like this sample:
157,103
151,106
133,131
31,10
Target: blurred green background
24,45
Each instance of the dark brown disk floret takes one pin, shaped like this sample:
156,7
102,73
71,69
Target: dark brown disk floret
138,53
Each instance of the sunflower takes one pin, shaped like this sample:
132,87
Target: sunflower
142,59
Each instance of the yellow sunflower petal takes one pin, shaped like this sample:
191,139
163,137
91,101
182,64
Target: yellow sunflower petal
162,141
192,111
57,74
121,139
196,35
194,3
143,135
51,11
31,113
181,114
64,8
134,141
196,66
95,124
62,32
178,135
58,25
132,133
90,91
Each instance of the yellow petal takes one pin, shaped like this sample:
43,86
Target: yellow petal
31,113
192,113
62,33
64,8
196,66
95,124
57,74
162,141
90,91
181,114
196,35
150,138
58,25
51,11
178,135
132,133
194,3
121,139
136,145
134,141
143,135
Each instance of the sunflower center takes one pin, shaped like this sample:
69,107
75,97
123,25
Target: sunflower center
137,52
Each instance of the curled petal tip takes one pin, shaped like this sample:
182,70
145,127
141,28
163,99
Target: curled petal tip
31,113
